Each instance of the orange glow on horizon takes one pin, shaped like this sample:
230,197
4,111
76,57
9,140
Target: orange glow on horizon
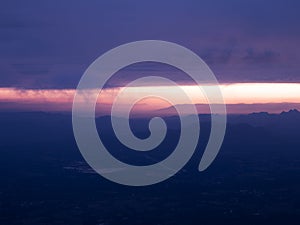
235,93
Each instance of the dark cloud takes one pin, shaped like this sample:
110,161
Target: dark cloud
266,56
220,55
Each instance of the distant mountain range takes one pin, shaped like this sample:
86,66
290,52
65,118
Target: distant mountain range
237,108
40,125
285,123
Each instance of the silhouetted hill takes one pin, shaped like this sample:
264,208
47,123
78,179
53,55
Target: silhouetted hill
285,123
45,180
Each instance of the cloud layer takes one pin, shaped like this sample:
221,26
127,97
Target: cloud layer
49,44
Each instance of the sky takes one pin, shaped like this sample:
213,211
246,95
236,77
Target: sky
45,46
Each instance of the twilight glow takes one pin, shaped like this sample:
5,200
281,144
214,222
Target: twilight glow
262,94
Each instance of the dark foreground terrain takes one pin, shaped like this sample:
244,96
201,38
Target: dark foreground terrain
254,180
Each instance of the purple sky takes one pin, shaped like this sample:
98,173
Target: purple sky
49,44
